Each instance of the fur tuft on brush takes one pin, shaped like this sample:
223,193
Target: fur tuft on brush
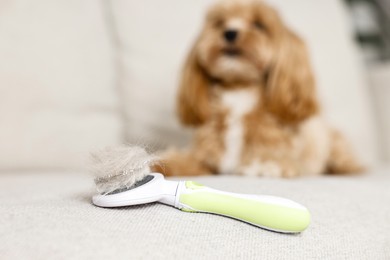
119,167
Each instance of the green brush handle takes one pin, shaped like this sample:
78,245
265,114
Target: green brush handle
269,212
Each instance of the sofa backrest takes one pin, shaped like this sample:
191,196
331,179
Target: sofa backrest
155,36
57,83
62,63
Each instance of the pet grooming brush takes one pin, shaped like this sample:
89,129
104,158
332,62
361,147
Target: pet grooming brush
123,178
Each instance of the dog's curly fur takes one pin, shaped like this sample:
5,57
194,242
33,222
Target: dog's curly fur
248,89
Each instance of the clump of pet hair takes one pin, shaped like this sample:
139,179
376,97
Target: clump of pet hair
120,167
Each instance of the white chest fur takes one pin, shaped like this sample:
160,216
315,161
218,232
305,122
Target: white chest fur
239,103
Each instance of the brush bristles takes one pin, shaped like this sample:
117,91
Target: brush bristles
120,167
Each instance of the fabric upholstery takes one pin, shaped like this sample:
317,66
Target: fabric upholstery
155,36
58,97
50,216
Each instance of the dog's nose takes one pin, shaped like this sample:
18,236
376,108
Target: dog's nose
230,35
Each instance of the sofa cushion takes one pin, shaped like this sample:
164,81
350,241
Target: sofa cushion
155,37
52,218
56,82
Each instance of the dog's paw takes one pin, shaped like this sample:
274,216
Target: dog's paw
270,169
266,169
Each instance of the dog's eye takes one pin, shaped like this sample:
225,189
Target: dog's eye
218,23
258,25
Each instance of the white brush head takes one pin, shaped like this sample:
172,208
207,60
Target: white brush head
120,167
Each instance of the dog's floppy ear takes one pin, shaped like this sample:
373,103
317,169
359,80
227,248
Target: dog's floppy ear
290,86
193,99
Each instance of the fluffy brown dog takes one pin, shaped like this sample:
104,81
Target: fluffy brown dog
248,88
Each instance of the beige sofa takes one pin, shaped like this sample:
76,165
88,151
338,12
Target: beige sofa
78,75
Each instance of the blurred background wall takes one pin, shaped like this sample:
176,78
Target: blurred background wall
371,23
76,75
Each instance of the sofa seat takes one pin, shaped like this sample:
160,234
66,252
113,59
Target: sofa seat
47,215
